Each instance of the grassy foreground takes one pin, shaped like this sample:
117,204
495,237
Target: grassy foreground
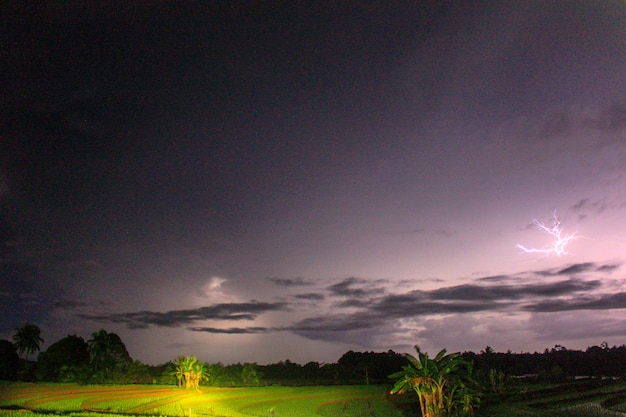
24,400
593,398
590,398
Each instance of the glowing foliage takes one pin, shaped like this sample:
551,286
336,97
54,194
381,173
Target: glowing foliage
190,372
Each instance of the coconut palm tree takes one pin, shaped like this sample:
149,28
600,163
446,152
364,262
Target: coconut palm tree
28,339
442,384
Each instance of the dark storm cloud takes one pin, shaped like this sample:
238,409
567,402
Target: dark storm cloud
347,288
382,311
336,327
506,294
382,314
290,282
573,269
577,268
586,207
406,307
314,296
175,318
580,204
585,204
608,267
354,302
499,292
362,320
461,298
494,278
603,302
231,330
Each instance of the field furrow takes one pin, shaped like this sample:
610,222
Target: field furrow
111,401
161,402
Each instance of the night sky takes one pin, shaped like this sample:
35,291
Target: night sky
260,181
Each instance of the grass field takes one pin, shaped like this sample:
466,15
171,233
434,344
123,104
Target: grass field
591,398
20,399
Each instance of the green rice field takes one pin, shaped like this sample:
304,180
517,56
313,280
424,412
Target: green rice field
591,398
24,400
581,399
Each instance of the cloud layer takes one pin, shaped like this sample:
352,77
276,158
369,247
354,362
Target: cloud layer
352,308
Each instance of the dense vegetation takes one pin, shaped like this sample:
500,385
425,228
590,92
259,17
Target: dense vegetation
104,359
457,384
555,364
444,385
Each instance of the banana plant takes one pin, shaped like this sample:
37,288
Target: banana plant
189,372
442,384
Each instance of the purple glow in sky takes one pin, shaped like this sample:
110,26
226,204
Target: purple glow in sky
260,181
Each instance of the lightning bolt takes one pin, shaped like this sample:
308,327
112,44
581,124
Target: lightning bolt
560,241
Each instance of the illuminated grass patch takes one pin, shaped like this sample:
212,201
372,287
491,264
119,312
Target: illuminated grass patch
83,401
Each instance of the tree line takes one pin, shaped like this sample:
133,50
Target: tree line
556,364
103,359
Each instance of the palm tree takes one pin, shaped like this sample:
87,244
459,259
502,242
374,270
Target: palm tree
28,339
190,372
442,384
99,348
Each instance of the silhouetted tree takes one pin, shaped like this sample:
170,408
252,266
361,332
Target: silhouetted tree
9,361
106,350
28,339
63,360
108,357
487,351
370,367
133,372
556,364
